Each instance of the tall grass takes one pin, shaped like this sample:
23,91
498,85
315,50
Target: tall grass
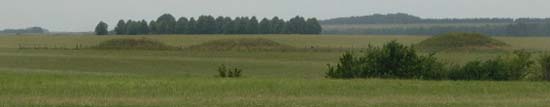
545,63
30,88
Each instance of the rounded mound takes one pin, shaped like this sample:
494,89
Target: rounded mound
461,41
241,44
133,43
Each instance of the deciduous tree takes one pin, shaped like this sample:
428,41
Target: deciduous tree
102,28
166,24
120,28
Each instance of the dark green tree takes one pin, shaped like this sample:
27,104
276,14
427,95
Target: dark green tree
132,27
144,28
252,26
192,26
243,25
153,27
278,26
120,28
265,27
166,24
102,28
181,25
228,23
206,25
220,21
313,26
296,25
229,26
239,25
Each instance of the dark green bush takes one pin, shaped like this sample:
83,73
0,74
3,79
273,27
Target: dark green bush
225,72
393,60
545,63
514,67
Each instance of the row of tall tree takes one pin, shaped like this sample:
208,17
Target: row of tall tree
206,24
132,27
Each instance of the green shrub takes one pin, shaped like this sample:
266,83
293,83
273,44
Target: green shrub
393,60
545,64
225,72
222,70
513,67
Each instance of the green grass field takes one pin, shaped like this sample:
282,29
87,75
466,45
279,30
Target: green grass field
131,78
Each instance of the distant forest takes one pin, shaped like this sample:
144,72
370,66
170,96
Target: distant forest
206,24
490,26
403,18
25,30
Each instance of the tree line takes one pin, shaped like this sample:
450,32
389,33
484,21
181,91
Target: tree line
514,29
403,18
206,24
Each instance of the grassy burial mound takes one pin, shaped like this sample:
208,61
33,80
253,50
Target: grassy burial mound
461,41
241,44
133,44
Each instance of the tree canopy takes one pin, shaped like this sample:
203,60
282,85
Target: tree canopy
166,24
207,24
101,28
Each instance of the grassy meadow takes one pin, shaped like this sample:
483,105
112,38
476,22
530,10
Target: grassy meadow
130,78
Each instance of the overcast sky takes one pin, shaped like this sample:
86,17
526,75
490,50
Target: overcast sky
83,15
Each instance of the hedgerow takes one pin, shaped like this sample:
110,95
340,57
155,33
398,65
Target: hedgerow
393,60
397,61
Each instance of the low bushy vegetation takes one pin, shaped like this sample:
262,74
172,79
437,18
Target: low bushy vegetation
461,41
242,44
512,67
393,60
545,64
133,43
226,72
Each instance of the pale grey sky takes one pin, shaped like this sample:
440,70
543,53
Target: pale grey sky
83,15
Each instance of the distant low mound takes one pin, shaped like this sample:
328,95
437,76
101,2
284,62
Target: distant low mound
242,44
133,44
37,30
461,41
